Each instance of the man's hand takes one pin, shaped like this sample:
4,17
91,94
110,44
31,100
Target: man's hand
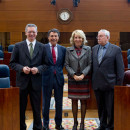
26,70
34,70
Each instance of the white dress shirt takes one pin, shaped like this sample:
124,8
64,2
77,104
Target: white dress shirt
28,44
55,48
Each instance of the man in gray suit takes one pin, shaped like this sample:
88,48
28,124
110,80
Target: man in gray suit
29,61
107,71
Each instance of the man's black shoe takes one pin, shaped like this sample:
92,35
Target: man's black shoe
109,129
45,128
59,127
100,128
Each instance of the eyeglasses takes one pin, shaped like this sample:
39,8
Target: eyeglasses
31,32
100,36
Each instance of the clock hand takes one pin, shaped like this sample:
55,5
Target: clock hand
64,15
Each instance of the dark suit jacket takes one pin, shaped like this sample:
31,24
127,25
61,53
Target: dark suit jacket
110,71
48,75
21,57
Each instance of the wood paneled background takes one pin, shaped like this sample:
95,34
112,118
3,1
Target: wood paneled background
90,16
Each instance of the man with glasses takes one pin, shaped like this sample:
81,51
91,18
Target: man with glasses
108,70
29,61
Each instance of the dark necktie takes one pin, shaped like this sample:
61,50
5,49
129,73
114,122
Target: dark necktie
31,49
53,55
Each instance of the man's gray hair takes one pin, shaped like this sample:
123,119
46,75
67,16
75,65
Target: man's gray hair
30,25
107,33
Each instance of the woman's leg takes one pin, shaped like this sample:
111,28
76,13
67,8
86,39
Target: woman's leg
83,112
75,112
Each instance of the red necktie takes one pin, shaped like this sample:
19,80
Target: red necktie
53,55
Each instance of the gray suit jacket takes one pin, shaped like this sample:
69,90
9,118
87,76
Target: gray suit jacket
72,60
21,57
110,71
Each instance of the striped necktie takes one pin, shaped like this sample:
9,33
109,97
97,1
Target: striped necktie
31,49
100,54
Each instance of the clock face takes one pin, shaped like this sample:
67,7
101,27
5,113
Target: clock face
64,16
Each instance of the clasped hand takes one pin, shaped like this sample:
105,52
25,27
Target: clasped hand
27,70
78,78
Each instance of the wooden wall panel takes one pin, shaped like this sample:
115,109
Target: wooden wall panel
101,14
90,16
15,37
115,38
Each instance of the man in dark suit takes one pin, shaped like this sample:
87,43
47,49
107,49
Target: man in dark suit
108,70
29,60
53,79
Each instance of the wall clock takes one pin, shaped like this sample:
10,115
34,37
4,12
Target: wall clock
64,16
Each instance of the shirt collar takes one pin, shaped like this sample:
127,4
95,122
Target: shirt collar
106,46
51,45
28,42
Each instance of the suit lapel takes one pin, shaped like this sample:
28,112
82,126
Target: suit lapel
73,52
36,49
95,54
82,52
108,52
59,53
49,53
25,48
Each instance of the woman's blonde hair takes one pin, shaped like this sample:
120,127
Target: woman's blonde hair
81,34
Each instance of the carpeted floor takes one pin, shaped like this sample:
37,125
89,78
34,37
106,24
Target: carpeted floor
66,103
90,124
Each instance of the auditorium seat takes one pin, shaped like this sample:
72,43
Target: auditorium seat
128,52
7,55
128,61
1,55
10,48
126,81
4,76
1,48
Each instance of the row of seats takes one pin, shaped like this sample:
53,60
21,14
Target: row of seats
2,54
5,60
4,76
10,48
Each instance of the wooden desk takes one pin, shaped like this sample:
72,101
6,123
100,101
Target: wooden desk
9,109
122,108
